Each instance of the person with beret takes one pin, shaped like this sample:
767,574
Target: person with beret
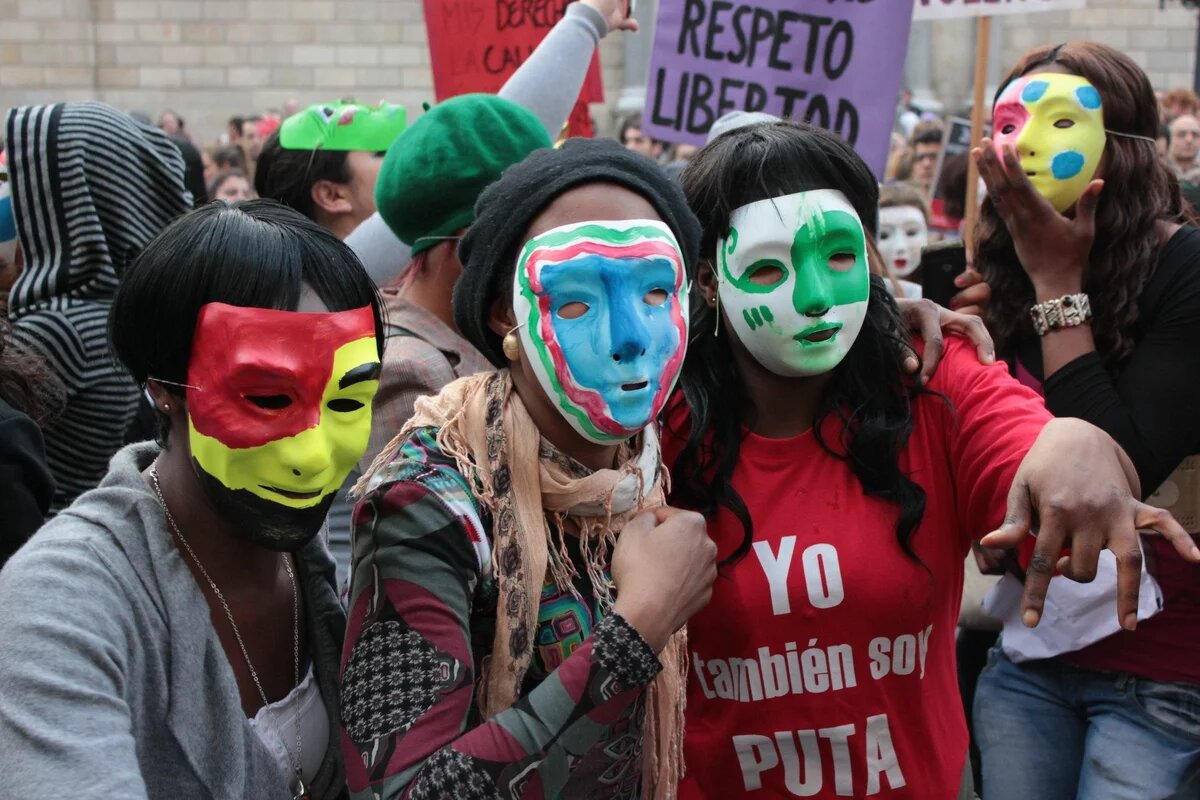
428,186
425,183
519,585
547,84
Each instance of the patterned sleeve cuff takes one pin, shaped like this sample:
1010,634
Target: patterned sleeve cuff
623,652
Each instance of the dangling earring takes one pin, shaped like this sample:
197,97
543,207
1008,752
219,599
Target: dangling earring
716,303
511,346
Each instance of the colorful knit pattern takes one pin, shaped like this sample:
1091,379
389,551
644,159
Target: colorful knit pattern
421,609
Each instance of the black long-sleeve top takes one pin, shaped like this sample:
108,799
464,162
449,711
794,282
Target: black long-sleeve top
1152,408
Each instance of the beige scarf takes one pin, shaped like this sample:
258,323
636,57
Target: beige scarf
533,493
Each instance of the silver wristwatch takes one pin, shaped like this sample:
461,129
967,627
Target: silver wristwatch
1062,312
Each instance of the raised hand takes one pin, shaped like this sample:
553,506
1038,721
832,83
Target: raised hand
1076,488
616,14
1053,248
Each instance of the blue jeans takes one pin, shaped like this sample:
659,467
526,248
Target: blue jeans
1048,730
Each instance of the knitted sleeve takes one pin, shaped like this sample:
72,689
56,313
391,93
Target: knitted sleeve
410,726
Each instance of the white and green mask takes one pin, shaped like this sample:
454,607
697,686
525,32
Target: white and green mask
793,278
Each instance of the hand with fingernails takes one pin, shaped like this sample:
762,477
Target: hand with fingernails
1088,508
615,14
1053,248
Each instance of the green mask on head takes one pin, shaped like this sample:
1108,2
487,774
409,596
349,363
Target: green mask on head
343,126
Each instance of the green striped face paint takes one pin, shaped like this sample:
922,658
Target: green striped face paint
602,311
794,282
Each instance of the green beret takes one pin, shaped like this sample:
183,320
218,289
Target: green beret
433,174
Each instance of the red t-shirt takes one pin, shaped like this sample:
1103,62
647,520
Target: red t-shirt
824,665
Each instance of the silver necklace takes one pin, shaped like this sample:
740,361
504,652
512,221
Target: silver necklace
299,790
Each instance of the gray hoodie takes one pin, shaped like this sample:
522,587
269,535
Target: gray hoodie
113,683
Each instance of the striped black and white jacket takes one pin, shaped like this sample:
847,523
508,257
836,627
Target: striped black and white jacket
91,187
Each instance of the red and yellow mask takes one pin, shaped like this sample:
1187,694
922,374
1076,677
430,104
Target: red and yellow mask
280,411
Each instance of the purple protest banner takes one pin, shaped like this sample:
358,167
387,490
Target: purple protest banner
834,63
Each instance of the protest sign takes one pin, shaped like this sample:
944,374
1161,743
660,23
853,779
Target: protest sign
476,45
951,9
837,65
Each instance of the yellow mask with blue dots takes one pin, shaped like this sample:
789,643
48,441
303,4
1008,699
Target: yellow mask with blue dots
1055,123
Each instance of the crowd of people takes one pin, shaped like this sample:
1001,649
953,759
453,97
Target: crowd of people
453,458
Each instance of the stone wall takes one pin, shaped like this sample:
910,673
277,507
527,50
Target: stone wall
1162,42
210,59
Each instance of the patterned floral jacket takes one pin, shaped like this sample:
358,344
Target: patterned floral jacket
422,615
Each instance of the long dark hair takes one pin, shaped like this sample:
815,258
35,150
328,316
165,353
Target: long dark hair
1126,246
869,394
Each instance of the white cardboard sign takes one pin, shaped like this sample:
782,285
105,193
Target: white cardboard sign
951,9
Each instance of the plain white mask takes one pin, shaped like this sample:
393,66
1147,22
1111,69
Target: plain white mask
902,234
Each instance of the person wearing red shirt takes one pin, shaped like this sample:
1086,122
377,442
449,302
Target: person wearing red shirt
843,495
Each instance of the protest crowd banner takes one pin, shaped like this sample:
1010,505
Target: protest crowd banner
476,45
835,65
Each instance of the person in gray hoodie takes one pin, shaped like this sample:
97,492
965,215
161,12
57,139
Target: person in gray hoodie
176,632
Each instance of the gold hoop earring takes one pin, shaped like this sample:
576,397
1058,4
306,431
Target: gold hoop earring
511,346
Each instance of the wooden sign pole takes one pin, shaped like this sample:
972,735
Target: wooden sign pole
983,41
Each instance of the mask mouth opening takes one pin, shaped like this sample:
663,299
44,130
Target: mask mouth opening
817,334
292,495
636,386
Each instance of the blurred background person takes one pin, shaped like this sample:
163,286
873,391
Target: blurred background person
1184,146
231,186
633,138
926,145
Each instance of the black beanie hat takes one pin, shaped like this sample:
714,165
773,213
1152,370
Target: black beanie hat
507,207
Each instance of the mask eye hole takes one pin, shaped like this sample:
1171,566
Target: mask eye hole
343,405
270,402
655,297
1007,129
884,234
573,310
766,274
1065,123
842,262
